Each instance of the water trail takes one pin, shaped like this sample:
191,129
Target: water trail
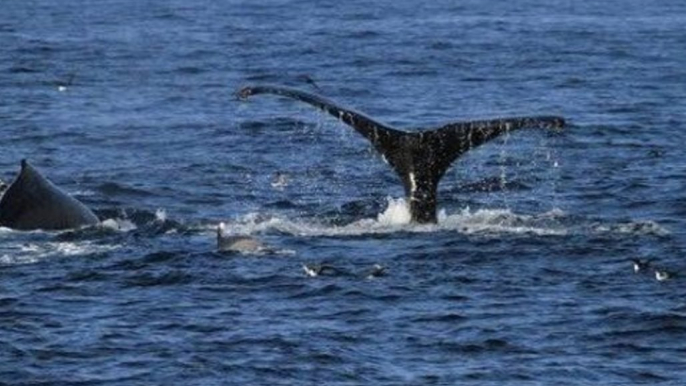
485,221
32,252
396,218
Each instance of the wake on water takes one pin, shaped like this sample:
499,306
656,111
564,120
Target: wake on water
22,247
396,218
30,247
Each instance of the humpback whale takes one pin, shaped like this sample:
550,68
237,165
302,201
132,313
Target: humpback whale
33,202
420,158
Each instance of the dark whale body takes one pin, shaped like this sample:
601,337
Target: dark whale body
33,202
420,158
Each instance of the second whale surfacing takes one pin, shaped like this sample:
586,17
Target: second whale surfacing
419,158
33,202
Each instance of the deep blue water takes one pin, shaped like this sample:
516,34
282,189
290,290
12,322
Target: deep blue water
525,280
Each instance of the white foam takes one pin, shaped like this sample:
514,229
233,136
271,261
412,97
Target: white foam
396,217
639,228
27,253
161,215
14,259
83,193
502,221
397,213
118,224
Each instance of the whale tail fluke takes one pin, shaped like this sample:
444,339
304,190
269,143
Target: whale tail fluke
420,158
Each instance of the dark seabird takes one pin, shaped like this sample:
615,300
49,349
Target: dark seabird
640,265
314,270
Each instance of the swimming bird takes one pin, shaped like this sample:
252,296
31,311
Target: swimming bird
377,271
314,270
663,275
420,158
62,85
640,265
279,181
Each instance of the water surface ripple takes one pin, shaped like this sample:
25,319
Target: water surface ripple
526,279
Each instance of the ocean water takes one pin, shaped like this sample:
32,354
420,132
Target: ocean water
526,279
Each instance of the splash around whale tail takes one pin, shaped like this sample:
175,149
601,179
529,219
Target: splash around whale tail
419,158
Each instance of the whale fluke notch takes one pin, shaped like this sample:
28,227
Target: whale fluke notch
420,158
33,202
